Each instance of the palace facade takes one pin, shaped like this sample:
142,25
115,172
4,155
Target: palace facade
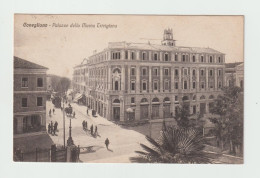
141,81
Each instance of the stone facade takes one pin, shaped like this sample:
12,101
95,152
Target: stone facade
235,71
150,79
29,97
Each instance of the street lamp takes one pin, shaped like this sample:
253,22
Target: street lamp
70,141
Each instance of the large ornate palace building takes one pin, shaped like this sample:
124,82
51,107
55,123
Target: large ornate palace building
148,81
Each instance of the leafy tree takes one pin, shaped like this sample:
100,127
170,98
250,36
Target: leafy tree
176,145
229,121
60,84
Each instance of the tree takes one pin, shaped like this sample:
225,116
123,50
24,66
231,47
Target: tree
229,123
60,84
176,145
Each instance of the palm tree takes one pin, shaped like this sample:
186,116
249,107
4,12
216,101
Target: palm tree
176,145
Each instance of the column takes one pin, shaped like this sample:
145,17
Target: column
216,78
172,79
150,55
137,55
109,78
161,57
138,79
109,109
161,79
198,79
129,80
122,109
137,112
191,79
207,78
150,79
180,79
123,78
122,55
129,54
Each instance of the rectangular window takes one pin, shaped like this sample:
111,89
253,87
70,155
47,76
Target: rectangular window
211,72
39,101
185,85
133,86
155,71
39,82
176,98
24,102
126,54
201,59
176,57
144,56
211,84
210,59
194,109
193,59
155,56
132,55
166,72
144,71
183,58
144,86
202,85
219,72
166,57
194,85
25,82
166,85
176,72
219,60
132,100
185,71
202,72
155,85
132,71
176,85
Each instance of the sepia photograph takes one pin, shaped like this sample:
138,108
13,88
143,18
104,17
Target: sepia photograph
128,89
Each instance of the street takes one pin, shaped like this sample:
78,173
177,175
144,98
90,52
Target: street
123,142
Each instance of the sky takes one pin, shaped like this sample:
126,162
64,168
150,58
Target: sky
62,48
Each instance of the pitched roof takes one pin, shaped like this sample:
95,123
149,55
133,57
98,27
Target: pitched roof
24,64
148,46
233,65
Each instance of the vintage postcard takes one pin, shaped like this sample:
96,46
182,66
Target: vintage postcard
128,89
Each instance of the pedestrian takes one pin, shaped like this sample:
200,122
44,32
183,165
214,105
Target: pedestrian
51,127
83,125
95,130
74,114
107,143
87,111
91,129
53,110
55,126
54,129
50,112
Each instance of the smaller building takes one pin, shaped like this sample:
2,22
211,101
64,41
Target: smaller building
29,100
235,71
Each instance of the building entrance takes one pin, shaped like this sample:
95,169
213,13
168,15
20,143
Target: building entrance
116,113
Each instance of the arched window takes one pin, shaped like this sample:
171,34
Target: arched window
202,97
116,101
185,98
117,70
211,97
144,100
155,100
166,100
194,72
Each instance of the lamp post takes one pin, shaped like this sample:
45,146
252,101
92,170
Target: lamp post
70,141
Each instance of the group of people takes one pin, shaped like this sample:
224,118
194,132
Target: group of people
85,127
52,128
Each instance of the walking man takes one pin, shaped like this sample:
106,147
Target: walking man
95,130
83,125
86,125
53,110
51,127
107,143
91,129
87,111
50,112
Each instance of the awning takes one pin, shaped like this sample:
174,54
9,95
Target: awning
77,97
